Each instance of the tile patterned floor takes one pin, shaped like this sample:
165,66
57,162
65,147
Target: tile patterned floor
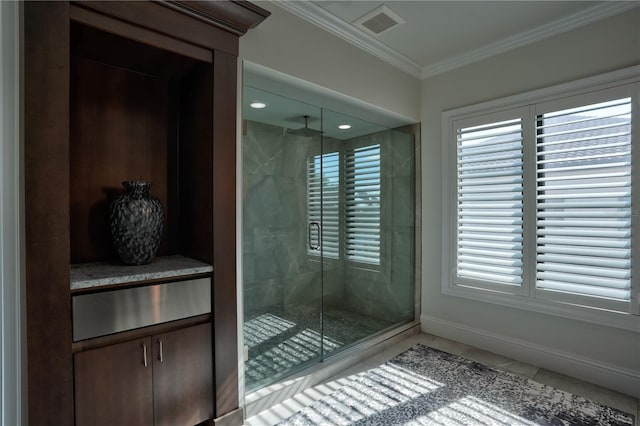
281,340
596,393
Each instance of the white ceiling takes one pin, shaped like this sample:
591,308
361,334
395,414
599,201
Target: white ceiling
442,35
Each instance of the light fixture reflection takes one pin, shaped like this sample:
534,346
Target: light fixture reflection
344,126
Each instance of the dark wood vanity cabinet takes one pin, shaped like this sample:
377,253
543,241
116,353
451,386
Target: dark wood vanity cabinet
162,380
182,371
115,91
113,385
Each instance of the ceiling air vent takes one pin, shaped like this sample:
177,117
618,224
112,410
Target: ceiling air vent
378,21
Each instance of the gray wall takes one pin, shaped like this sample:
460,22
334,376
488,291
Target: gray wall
387,292
276,268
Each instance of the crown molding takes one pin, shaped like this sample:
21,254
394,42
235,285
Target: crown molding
568,23
318,16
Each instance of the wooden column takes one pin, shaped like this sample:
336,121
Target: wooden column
46,168
224,233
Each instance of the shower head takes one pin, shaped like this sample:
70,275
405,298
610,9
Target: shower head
304,131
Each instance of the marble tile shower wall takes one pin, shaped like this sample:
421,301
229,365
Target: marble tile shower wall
278,272
277,269
387,292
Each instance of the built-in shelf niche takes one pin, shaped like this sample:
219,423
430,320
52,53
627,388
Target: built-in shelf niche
138,113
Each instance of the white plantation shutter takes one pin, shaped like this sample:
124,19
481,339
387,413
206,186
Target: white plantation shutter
323,187
489,202
584,209
541,202
362,204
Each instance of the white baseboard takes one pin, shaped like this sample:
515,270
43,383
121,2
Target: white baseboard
607,375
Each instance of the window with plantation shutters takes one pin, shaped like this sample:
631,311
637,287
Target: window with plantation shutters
323,204
541,200
584,212
362,204
489,202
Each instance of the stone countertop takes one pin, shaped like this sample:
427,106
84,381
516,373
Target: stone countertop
87,275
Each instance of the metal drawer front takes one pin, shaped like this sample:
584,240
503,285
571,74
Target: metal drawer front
108,312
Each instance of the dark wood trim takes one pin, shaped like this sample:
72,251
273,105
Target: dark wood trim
124,29
46,183
234,418
261,12
224,233
234,16
139,333
158,17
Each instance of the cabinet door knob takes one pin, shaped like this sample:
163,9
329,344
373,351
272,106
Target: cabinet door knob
144,354
160,350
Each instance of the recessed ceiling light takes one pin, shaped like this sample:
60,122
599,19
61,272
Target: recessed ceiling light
344,126
258,104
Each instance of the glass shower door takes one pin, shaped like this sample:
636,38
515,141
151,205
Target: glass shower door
282,265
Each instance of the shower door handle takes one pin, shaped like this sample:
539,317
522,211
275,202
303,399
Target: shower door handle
317,226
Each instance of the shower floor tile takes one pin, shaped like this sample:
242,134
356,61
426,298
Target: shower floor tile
288,338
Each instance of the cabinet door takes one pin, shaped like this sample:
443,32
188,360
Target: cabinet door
183,376
113,385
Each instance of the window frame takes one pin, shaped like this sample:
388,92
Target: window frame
625,82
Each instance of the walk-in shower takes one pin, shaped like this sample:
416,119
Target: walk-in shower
328,232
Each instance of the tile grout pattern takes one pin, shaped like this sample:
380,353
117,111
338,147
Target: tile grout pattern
281,341
578,387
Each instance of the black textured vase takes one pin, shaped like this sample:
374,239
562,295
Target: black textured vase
136,223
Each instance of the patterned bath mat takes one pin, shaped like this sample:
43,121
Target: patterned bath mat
425,386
